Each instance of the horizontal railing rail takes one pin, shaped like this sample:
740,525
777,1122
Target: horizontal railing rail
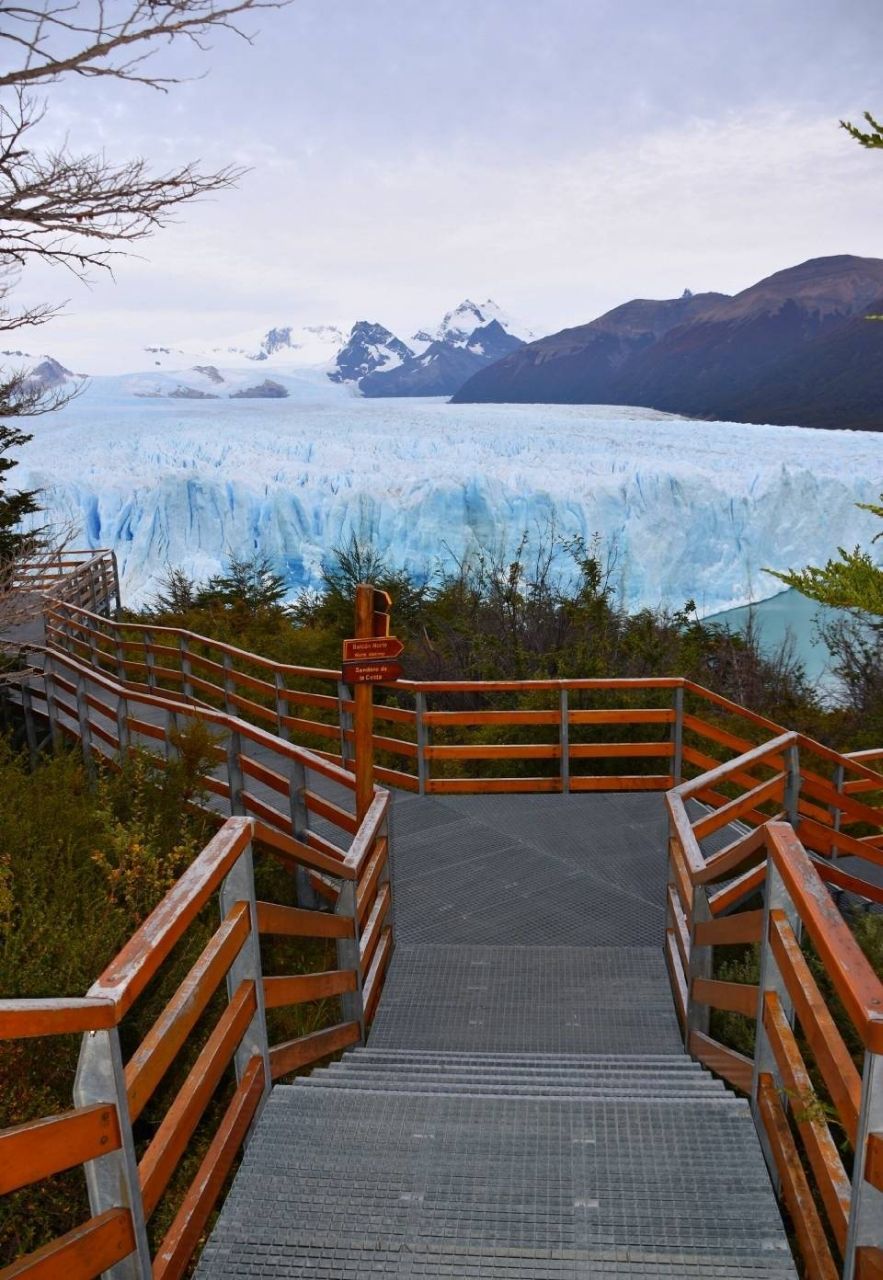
438,737
752,838
736,784
99,1133
79,579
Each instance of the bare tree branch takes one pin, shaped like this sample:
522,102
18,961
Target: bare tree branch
80,210
94,39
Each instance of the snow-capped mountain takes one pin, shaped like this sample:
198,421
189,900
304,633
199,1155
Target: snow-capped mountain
459,325
368,358
369,349
288,347
468,339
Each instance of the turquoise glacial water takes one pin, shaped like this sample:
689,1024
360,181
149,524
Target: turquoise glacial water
789,614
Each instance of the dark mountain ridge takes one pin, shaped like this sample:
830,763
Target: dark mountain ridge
794,348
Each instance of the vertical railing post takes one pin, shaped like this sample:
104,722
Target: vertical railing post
701,964
792,785
349,957
171,750
234,772
122,727
51,708
112,1180
118,603
281,707
345,718
238,886
91,568
122,675
300,825
229,685
149,661
564,739
186,668
27,706
839,781
422,742
677,737
866,1204
776,898
84,726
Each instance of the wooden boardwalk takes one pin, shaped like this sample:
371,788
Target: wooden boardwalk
524,1106
533,1083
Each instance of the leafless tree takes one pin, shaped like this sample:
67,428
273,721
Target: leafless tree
79,209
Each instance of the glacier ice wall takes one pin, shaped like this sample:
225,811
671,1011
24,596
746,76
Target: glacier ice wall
695,509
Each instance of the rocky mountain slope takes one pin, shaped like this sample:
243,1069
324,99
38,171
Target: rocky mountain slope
796,348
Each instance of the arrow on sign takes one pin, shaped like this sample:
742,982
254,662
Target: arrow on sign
373,649
370,672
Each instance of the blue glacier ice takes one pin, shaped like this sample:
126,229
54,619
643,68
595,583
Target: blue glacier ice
695,509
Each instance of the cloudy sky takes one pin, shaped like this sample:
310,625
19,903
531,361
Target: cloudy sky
559,156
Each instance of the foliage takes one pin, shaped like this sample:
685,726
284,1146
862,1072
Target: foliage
871,137
853,581
82,864
81,210
14,506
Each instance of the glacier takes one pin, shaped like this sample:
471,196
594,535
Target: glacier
694,509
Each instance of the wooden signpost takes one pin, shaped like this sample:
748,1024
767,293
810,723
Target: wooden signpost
369,659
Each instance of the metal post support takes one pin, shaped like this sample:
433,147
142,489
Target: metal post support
123,727
672,923
27,706
792,785
51,708
118,603
234,772
149,661
84,726
238,886
701,964
422,742
300,825
345,719
866,1204
186,669
112,1180
564,741
171,750
281,708
677,737
229,686
363,716
776,898
351,1003
839,780
121,663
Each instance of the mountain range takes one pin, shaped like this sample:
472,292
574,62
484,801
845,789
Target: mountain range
798,348
368,357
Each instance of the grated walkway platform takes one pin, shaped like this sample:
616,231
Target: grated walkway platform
524,1108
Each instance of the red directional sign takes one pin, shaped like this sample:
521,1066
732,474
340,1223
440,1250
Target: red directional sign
373,649
370,672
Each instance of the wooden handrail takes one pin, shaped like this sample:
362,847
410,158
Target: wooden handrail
858,987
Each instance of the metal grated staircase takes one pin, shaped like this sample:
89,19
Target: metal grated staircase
520,1111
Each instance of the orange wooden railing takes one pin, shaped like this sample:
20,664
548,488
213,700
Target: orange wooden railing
715,901
110,1094
86,579
572,735
749,802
